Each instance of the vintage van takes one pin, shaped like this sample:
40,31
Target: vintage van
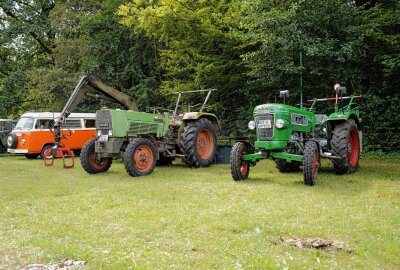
33,133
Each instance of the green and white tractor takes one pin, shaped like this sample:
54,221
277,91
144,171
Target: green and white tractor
144,139
295,137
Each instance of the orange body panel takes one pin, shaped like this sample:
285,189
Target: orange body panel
35,140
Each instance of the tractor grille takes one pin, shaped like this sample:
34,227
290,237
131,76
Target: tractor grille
103,119
142,128
265,133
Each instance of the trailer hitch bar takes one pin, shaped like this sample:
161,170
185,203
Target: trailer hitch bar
64,153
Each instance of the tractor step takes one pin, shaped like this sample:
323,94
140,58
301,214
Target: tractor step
64,153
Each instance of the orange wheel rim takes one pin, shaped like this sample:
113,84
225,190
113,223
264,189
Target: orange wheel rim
244,167
316,164
353,147
98,165
205,144
143,158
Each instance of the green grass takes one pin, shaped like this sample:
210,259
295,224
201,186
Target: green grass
180,218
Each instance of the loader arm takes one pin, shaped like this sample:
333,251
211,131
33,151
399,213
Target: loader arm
79,93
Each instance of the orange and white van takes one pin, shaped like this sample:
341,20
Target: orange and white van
32,134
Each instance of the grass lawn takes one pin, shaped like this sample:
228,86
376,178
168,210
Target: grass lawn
180,218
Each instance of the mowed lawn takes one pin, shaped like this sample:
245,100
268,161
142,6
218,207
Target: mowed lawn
181,218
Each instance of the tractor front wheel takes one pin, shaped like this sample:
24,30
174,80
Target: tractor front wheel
199,143
90,162
311,163
346,145
239,169
140,157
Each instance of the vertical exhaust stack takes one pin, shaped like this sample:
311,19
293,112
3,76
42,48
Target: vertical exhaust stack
284,94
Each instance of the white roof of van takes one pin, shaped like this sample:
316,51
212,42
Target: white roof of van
54,115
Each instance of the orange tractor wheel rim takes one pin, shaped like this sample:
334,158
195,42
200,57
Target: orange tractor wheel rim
353,147
205,144
244,167
143,158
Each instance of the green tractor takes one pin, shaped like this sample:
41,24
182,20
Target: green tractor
295,137
142,139
146,139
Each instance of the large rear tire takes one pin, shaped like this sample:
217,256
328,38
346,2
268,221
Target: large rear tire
90,163
240,170
199,143
345,144
311,163
140,157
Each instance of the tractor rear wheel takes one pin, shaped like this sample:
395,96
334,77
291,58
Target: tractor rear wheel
287,167
240,170
199,143
90,162
311,163
346,145
140,157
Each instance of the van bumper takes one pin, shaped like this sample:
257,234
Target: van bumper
17,151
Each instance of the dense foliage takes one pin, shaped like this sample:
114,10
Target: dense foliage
247,50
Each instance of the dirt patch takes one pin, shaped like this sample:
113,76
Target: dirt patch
66,264
317,243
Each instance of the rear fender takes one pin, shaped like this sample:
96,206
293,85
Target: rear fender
338,118
191,116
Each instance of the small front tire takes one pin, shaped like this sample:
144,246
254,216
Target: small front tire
90,163
140,157
311,163
240,170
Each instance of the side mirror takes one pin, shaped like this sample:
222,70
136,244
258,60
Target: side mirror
284,94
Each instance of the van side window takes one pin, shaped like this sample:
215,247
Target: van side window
42,124
89,123
72,123
8,126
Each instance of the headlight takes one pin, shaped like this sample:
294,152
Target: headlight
98,133
23,141
280,123
110,132
9,141
251,125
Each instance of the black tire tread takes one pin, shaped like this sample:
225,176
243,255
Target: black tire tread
188,143
236,162
339,145
84,157
308,163
129,163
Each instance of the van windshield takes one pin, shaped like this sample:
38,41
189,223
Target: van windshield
24,123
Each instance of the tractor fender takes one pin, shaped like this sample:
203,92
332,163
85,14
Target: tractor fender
192,116
340,118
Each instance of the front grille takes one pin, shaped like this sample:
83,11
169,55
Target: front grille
265,133
103,119
142,128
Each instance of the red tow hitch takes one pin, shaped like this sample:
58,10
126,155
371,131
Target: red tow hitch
63,153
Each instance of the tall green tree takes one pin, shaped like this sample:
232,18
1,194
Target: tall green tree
197,48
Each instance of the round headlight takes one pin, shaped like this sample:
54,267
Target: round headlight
9,141
251,125
280,123
23,141
98,133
